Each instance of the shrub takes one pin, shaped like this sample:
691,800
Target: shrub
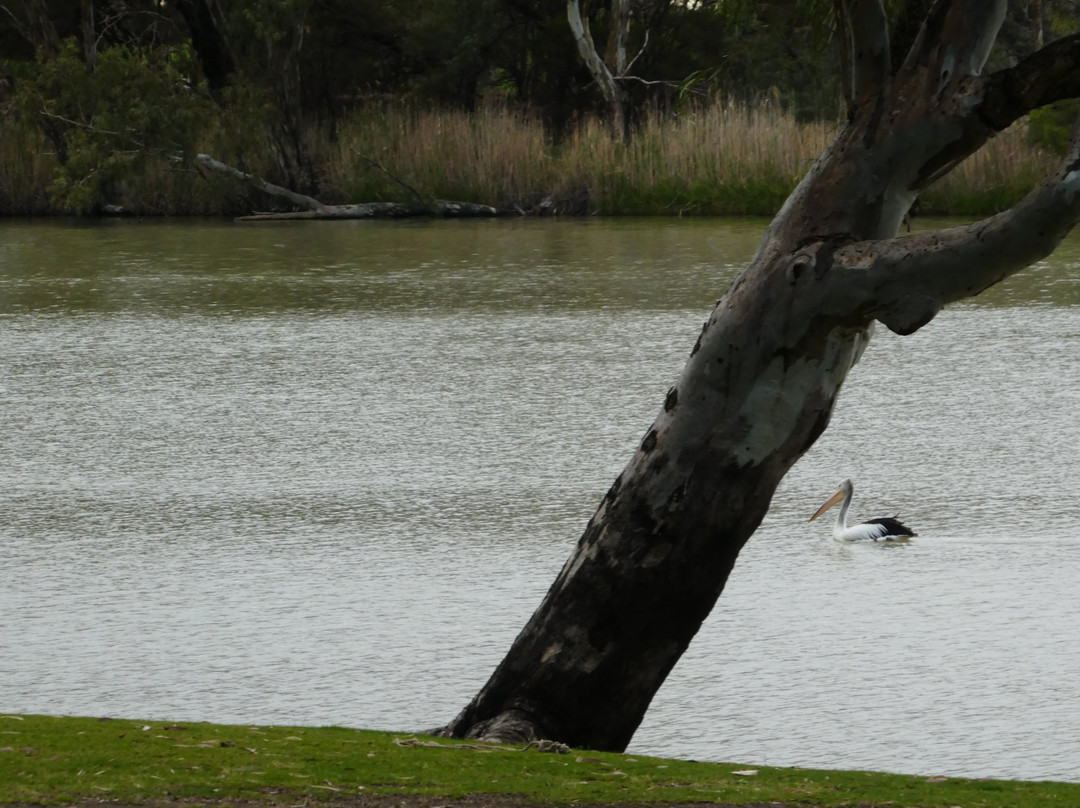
1051,125
107,124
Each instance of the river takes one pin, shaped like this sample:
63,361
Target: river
322,473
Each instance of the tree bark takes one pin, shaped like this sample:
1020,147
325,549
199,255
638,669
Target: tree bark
763,378
206,163
606,74
869,29
89,34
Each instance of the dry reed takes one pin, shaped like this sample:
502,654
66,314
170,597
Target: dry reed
26,170
715,159
493,155
505,158
992,179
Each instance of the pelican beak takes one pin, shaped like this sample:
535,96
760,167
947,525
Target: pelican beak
835,498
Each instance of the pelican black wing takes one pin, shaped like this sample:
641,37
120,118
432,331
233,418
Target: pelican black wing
892,525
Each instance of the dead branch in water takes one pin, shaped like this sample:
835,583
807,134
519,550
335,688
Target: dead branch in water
314,209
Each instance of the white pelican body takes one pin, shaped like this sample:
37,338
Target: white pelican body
884,528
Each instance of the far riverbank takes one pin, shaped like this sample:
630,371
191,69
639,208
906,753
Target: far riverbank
709,161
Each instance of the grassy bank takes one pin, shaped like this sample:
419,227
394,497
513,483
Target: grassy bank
53,760
715,160
712,161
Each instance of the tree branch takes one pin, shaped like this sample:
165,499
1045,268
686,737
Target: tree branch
956,38
843,19
314,209
904,282
1049,74
996,101
650,82
207,163
376,164
93,129
869,34
620,31
637,56
17,24
587,49
905,29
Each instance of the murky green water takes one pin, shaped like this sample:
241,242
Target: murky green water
323,472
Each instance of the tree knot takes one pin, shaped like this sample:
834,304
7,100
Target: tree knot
908,314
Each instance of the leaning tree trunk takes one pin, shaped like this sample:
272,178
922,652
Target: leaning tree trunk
762,380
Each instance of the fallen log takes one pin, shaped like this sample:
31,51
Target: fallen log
314,209
207,164
379,210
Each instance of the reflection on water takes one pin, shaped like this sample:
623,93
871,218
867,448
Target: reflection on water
323,474
325,267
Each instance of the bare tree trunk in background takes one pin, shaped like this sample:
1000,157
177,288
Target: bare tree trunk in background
764,375
31,19
280,27
206,24
288,134
607,73
89,35
618,35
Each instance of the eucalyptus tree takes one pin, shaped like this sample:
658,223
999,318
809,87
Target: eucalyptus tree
762,379
610,70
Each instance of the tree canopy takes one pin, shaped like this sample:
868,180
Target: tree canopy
269,71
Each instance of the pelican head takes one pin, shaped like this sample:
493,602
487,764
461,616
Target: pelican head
843,492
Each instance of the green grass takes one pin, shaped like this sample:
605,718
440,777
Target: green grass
55,760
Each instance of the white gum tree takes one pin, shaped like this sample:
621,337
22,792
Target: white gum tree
762,379
609,72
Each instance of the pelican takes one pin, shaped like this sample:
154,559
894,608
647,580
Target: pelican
884,528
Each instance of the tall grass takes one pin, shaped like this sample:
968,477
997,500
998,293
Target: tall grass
711,160
715,159
493,156
991,180
25,172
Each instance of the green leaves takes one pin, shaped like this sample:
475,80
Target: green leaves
138,103
1051,126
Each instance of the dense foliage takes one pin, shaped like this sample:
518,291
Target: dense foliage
117,88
